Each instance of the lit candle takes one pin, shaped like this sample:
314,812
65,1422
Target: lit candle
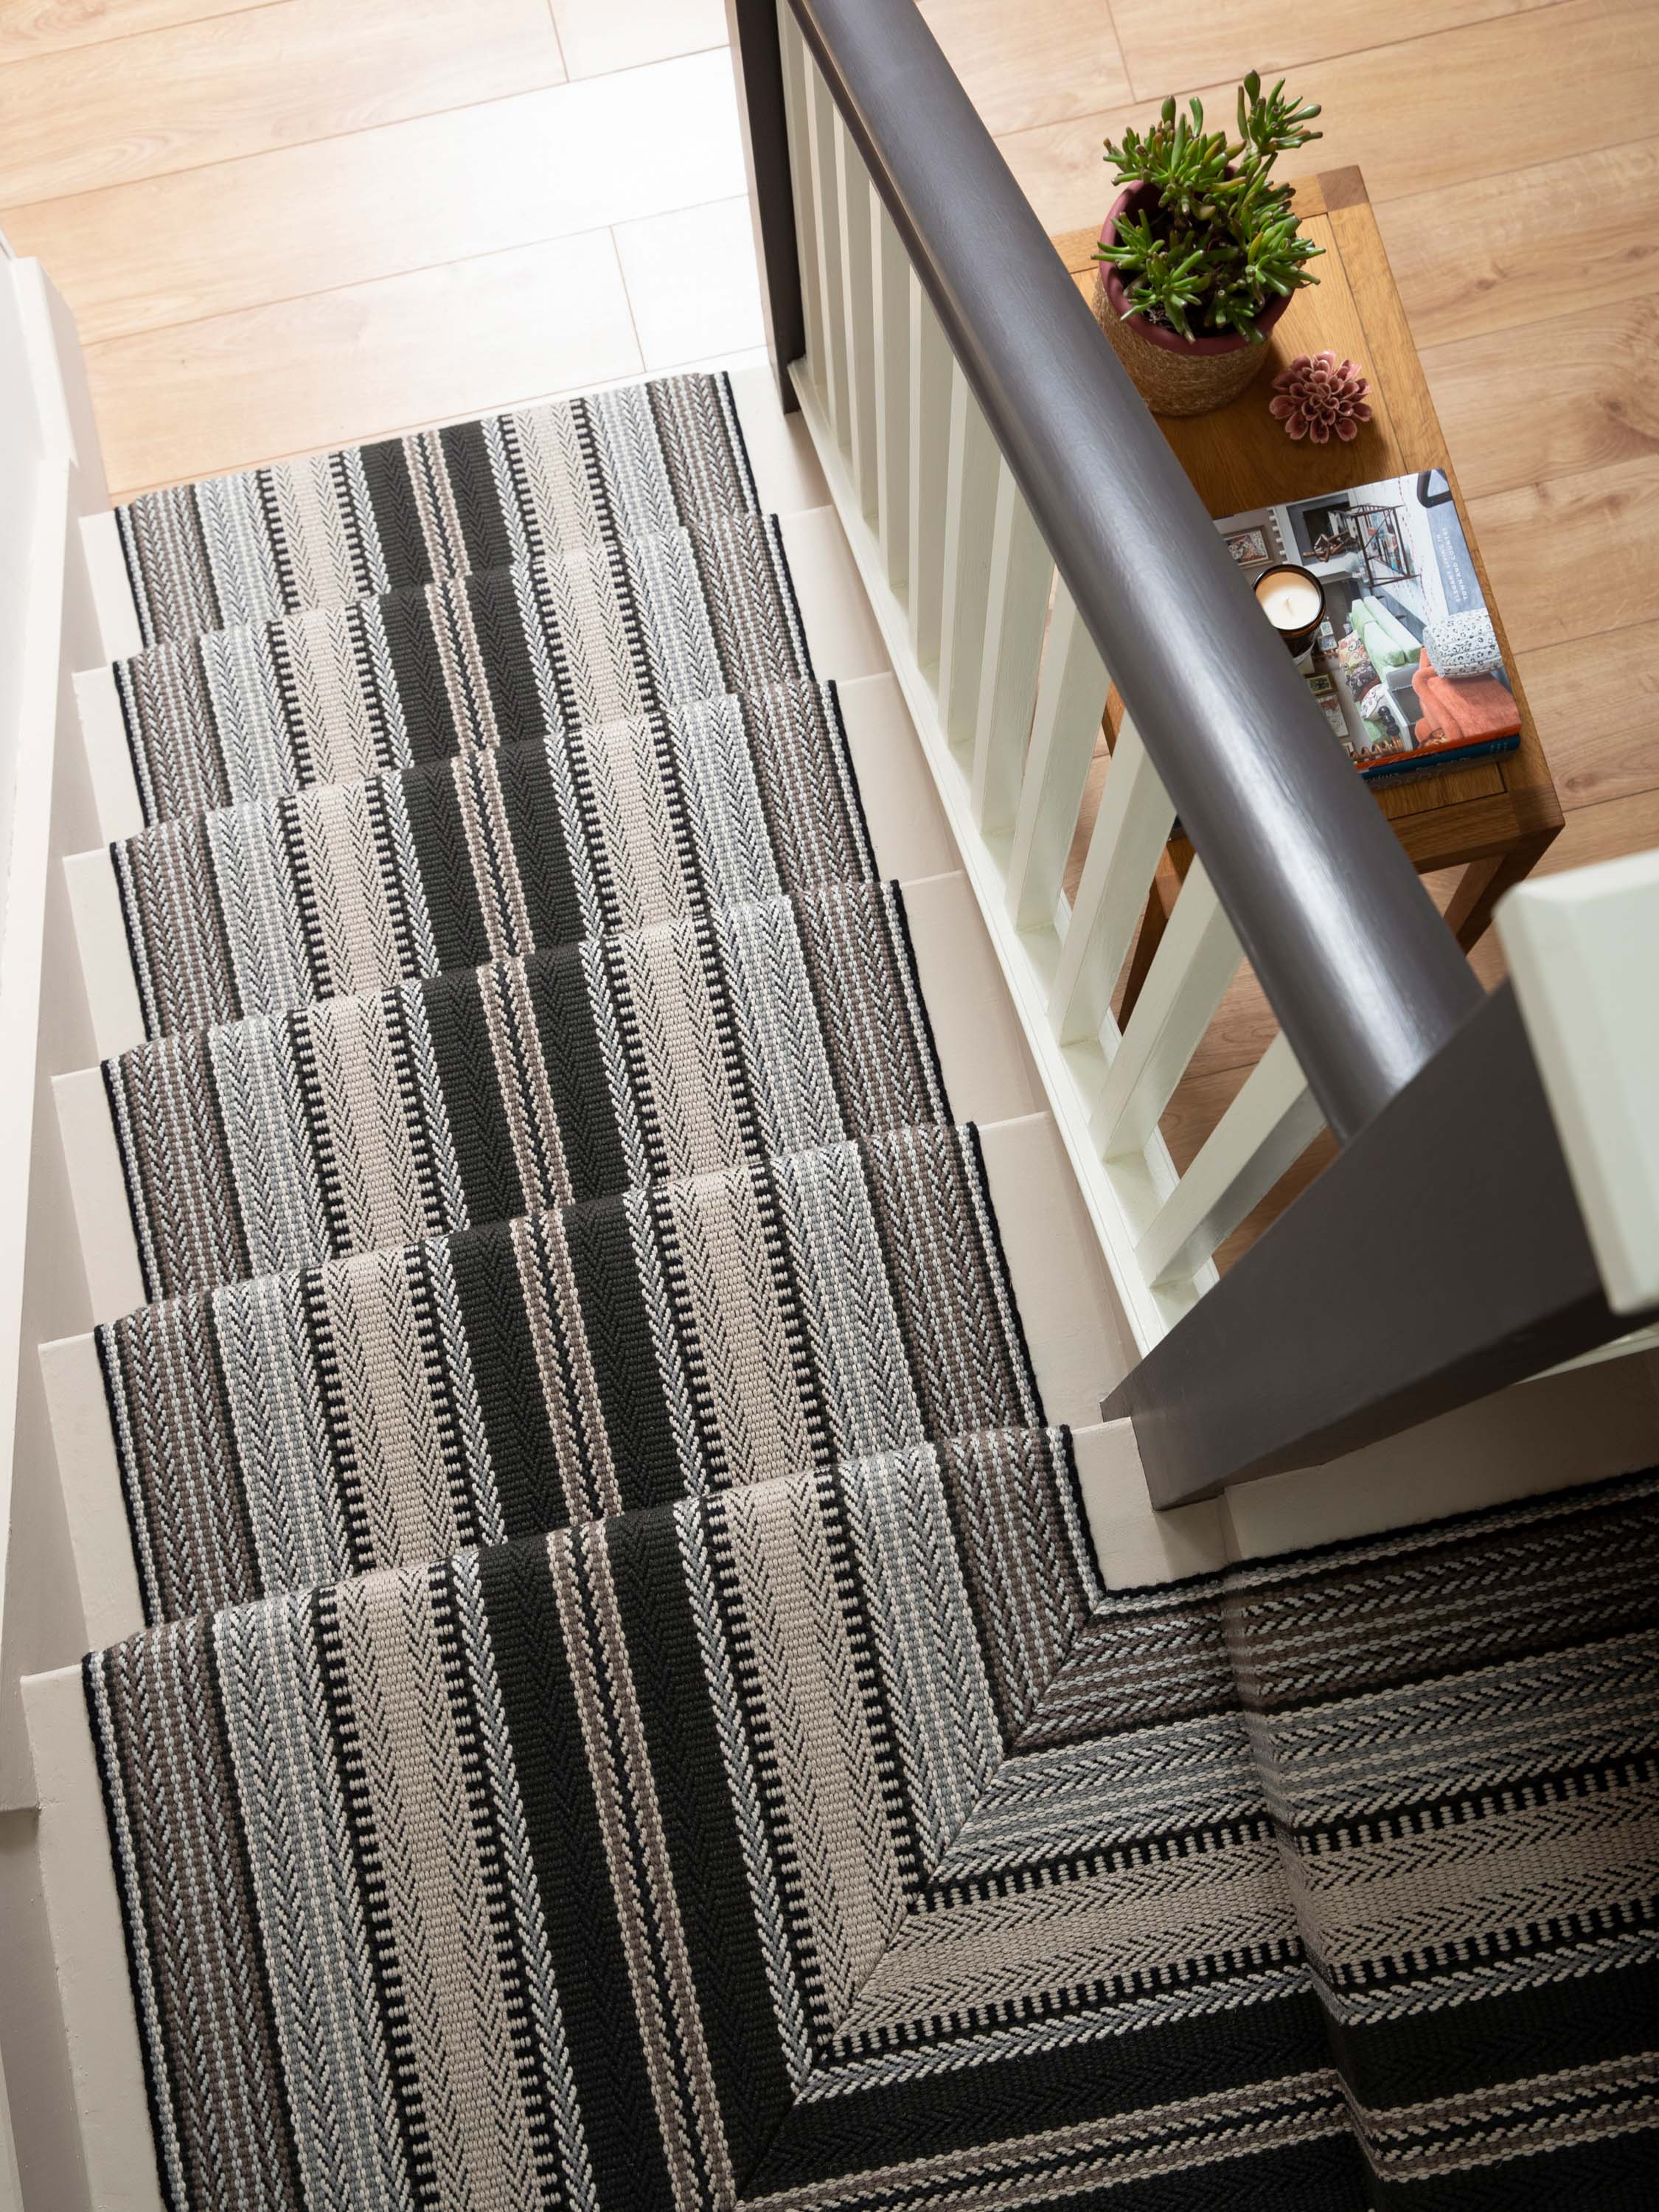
1292,601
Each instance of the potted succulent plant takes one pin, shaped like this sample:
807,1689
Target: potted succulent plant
1202,251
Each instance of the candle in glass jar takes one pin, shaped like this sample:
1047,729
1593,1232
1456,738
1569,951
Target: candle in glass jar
1290,598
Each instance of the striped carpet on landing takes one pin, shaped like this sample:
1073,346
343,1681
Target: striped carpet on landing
631,1720
840,1841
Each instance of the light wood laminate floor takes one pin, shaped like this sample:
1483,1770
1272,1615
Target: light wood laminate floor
284,223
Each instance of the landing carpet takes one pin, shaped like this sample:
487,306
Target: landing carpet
841,1842
595,634
729,1329
336,527
776,1027
490,855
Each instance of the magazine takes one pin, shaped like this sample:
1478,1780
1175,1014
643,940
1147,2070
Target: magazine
1405,664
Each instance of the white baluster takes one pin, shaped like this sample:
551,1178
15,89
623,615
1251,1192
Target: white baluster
858,292
797,104
930,371
1196,959
1130,831
970,500
892,351
1266,1129
1065,731
1016,615
826,205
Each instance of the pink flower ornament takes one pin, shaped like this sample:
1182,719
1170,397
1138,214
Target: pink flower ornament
1318,394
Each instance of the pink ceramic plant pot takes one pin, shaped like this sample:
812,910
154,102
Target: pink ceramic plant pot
1174,375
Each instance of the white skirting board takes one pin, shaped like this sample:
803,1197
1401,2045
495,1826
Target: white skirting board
988,1072
787,477
83,1912
1074,1327
91,1483
112,594
117,1017
842,635
109,1250
109,764
907,829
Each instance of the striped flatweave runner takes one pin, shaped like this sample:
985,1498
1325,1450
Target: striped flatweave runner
354,887
725,1329
630,1719
841,1842
319,532
597,633
480,1095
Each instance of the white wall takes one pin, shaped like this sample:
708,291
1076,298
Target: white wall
52,475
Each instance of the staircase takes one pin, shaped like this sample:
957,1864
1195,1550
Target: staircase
632,1672
588,1240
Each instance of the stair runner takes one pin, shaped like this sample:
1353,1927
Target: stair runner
631,1717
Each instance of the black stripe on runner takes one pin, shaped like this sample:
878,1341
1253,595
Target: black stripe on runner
704,1848
417,668
397,514
540,839
492,600
567,1848
576,1075
1432,2051
471,1096
619,1341
472,488
502,1351
1252,2036
448,884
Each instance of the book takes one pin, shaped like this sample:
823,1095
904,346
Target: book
1405,664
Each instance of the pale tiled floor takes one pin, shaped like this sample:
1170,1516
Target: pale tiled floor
277,231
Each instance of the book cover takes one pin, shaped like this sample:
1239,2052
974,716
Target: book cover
1405,666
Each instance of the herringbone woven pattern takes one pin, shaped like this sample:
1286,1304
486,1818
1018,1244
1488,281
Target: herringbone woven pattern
490,855
593,635
840,1841
723,1329
526,486
490,1092
631,1720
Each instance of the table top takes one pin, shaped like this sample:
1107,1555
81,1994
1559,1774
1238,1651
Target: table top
1239,458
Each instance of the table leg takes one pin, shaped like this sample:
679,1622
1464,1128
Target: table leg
1469,912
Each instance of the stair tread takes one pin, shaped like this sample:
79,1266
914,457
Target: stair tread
599,633
728,1328
487,1092
356,887
229,550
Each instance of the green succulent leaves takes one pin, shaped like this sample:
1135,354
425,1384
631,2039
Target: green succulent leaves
1224,241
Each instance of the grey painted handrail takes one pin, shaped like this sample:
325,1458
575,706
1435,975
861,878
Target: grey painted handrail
1367,982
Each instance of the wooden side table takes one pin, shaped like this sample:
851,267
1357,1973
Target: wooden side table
1494,817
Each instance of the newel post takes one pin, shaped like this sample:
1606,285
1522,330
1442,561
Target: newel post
757,59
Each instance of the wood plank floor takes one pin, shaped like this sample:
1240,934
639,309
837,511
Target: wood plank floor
285,222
